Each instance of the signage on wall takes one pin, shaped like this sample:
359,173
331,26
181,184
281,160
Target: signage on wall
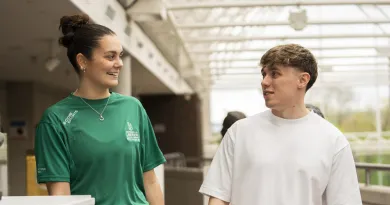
17,129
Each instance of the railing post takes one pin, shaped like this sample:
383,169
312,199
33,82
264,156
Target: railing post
367,177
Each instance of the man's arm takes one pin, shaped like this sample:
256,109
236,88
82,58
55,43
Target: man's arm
215,201
153,189
58,188
218,181
343,186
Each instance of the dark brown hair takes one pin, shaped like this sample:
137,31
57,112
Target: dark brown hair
292,55
80,36
230,119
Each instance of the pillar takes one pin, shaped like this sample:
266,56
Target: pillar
205,116
124,86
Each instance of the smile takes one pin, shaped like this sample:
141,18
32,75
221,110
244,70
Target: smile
265,93
114,74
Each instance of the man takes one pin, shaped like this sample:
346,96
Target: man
286,155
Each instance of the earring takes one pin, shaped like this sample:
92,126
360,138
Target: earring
83,69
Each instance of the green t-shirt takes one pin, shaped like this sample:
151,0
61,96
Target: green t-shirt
105,159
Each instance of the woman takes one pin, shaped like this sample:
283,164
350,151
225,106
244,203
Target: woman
96,142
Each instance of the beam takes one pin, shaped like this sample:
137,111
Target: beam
280,37
253,3
171,22
315,86
210,51
278,23
337,72
323,65
258,59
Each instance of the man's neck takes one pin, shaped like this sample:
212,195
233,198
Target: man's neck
292,112
88,91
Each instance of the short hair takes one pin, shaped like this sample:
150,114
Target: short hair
230,119
315,109
80,36
292,55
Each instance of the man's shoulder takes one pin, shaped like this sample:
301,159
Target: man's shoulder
324,126
254,119
329,131
251,123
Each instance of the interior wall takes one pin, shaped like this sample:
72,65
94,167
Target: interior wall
177,122
19,107
3,104
25,101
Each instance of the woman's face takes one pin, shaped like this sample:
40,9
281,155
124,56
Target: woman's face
104,66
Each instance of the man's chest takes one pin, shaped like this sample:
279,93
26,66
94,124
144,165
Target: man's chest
293,156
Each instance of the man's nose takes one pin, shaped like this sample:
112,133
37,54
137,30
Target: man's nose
266,81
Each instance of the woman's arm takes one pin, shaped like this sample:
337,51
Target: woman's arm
58,188
152,188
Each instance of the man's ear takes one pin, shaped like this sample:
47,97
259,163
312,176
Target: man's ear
304,79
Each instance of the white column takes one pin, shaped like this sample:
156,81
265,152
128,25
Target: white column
378,116
205,112
124,86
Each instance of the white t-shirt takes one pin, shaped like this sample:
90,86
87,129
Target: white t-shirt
267,160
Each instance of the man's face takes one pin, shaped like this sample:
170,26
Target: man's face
281,86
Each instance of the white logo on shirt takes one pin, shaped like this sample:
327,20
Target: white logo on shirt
71,115
131,135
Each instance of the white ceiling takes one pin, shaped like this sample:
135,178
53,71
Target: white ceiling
228,37
27,28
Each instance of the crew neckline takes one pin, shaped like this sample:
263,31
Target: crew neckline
92,101
283,121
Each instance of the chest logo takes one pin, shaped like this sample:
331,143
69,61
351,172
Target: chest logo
68,119
131,134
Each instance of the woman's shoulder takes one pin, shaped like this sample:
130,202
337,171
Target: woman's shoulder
126,99
55,112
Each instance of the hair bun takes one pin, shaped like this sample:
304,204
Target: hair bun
72,23
69,25
66,40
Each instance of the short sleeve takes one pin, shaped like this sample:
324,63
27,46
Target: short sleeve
153,156
343,185
51,153
218,181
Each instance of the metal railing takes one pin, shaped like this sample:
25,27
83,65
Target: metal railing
369,167
178,159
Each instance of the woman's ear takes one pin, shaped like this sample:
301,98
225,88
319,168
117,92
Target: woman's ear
81,61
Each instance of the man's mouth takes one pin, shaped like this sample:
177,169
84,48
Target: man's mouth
266,93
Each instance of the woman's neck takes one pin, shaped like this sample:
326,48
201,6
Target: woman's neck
91,92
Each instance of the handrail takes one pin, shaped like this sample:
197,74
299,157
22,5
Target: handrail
368,167
179,160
